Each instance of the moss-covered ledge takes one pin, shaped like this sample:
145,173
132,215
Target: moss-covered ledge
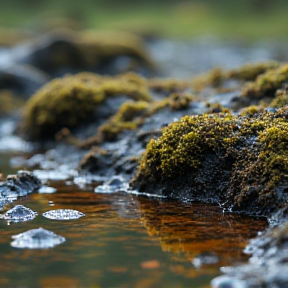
240,162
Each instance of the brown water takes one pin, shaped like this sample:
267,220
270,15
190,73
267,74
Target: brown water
123,241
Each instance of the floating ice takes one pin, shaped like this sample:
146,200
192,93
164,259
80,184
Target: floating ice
47,189
115,184
20,213
37,239
63,214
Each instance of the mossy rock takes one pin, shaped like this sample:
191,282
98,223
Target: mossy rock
65,50
68,101
250,71
266,84
240,162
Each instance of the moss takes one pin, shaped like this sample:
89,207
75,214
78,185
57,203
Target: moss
281,98
213,78
9,102
250,111
250,71
98,47
180,101
128,117
241,161
267,83
216,108
168,86
67,101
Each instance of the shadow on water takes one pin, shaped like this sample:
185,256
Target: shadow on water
124,241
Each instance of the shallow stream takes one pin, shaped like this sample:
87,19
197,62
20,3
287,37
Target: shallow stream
124,241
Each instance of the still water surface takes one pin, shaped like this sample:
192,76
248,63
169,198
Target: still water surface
123,241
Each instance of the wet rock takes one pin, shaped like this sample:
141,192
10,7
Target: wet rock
115,184
188,164
63,214
23,183
63,50
268,265
19,213
22,80
37,239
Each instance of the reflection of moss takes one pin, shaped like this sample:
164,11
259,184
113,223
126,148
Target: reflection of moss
67,101
250,71
267,83
249,156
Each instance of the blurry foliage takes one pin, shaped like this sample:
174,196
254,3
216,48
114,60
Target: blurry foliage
247,18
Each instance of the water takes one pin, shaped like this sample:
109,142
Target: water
123,241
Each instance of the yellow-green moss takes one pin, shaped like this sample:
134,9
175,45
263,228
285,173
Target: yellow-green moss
128,117
250,71
184,142
216,108
252,151
96,47
213,78
67,101
267,83
280,100
251,110
168,86
63,102
9,102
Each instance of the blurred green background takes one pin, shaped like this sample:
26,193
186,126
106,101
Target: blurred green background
244,19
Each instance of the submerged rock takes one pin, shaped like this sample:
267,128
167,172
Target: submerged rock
19,213
63,214
37,239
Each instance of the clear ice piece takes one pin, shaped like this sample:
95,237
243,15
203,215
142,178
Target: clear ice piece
37,239
63,214
20,213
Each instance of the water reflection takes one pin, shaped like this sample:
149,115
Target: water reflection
123,241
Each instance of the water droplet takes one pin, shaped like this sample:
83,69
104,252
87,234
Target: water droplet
63,214
37,239
20,213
